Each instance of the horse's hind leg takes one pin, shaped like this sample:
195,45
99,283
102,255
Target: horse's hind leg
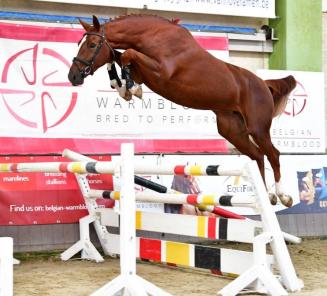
261,135
232,127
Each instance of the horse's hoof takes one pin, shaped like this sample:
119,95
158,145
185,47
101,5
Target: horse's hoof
286,200
139,92
273,198
136,90
127,96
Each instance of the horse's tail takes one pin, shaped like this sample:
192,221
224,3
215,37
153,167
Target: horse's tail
280,90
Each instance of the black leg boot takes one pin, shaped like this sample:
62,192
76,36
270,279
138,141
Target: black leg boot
126,74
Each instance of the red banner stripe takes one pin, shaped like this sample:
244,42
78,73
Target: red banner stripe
99,146
59,34
39,33
212,43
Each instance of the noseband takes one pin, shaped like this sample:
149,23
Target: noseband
88,64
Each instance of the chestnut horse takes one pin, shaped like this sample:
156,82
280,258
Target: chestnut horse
165,57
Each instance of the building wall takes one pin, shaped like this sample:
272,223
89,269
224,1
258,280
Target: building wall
249,60
299,30
324,57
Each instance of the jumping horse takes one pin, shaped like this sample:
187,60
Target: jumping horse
165,57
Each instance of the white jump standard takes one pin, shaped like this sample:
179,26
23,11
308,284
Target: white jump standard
128,281
6,266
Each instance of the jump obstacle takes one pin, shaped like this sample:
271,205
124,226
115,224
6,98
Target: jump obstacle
259,272
271,233
170,248
85,246
186,225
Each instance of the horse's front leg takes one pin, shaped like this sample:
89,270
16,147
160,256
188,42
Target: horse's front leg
115,81
142,65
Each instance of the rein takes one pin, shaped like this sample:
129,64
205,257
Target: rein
88,69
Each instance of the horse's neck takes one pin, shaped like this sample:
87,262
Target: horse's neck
124,34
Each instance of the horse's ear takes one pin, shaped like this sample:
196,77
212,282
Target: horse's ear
96,23
85,25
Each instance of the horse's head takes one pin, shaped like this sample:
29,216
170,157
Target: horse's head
94,52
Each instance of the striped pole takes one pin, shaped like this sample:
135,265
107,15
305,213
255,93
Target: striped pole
106,167
94,167
163,189
221,212
191,199
187,170
217,260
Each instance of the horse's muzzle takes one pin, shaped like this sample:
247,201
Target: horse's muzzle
75,77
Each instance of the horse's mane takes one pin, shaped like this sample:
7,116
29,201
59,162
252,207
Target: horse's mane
151,16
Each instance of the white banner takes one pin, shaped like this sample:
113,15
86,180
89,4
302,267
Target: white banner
301,128
37,100
251,8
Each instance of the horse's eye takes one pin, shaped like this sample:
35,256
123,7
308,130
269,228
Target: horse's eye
93,45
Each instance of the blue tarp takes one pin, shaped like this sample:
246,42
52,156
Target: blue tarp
12,15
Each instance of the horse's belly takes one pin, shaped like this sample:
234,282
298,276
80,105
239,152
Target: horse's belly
202,98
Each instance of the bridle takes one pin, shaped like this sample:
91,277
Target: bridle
88,64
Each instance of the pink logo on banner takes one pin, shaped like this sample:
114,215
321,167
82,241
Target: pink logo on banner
297,101
32,77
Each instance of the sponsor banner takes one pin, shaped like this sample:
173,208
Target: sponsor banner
311,173
252,8
42,113
301,128
46,114
45,198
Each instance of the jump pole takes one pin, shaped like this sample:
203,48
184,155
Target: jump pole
128,281
191,199
163,189
108,167
6,266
